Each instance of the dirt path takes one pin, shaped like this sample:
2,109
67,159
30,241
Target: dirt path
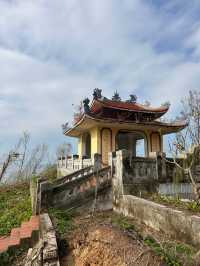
96,241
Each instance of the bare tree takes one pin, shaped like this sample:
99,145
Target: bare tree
24,161
13,156
35,162
64,149
187,165
8,161
78,112
191,113
23,147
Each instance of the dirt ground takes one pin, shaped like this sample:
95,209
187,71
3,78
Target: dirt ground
96,241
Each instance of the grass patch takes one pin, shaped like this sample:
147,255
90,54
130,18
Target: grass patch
62,220
9,258
122,222
176,202
174,254
15,206
171,252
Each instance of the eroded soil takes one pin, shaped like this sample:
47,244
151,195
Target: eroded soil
96,240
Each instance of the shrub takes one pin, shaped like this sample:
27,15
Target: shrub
50,172
15,206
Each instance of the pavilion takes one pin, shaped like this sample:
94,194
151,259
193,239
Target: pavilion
111,124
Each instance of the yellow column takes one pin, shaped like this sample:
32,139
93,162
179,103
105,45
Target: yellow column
95,140
80,146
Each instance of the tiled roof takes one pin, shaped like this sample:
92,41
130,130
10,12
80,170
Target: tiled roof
97,104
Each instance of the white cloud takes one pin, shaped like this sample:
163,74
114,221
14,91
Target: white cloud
53,53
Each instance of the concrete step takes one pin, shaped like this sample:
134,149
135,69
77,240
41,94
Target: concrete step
25,230
34,222
27,233
4,243
14,237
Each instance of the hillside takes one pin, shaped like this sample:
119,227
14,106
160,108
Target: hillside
15,206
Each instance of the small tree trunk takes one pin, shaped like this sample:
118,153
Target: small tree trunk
195,188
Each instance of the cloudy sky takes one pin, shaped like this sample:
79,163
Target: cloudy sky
54,53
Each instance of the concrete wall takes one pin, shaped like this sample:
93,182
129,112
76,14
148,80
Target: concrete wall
178,224
45,252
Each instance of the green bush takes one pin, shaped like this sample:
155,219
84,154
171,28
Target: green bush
172,253
50,172
15,206
122,222
62,220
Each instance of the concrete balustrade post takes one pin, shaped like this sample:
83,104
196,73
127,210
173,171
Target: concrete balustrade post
110,162
118,190
161,166
96,161
164,167
66,161
72,162
81,162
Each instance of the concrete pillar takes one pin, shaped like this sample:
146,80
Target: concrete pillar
96,161
66,161
81,162
160,165
72,162
164,167
118,184
111,156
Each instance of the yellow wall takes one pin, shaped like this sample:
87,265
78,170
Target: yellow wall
95,140
95,133
80,145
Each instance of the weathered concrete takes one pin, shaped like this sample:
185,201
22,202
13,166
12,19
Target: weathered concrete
177,224
46,251
78,191
67,165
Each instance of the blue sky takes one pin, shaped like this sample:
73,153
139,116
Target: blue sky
54,53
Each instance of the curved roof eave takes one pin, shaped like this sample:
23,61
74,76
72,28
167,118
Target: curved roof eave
176,125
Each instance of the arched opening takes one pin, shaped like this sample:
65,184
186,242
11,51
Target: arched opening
106,144
133,141
87,144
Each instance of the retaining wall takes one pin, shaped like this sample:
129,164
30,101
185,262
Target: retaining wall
177,224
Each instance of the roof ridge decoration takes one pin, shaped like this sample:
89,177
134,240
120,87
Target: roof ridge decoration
116,97
97,93
133,98
65,127
166,104
86,106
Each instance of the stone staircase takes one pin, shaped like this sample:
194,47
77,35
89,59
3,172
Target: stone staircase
26,235
74,190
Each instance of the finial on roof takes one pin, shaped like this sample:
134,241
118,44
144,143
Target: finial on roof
166,104
147,103
97,93
133,98
86,106
116,96
65,127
